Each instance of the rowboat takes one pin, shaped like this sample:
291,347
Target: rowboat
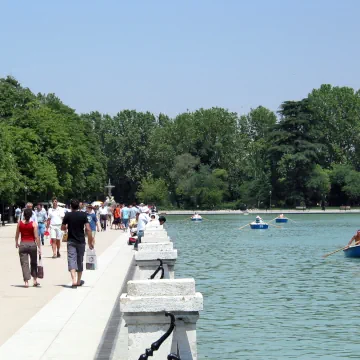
254,225
196,218
281,220
352,251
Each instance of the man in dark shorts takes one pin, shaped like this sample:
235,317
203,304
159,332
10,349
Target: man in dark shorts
74,222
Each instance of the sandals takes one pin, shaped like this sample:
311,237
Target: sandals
75,286
36,284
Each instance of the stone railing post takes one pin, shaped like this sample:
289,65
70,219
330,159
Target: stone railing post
143,308
147,259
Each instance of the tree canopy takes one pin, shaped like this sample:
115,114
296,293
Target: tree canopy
307,153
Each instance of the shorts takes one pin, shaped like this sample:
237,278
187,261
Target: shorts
125,222
116,221
76,253
55,232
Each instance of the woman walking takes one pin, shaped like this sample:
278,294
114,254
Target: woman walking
28,246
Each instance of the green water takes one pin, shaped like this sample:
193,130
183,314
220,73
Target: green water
269,294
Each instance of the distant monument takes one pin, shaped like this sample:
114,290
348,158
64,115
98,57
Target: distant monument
109,199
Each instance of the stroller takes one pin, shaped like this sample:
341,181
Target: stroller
133,235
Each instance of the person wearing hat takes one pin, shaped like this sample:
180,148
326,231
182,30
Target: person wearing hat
142,221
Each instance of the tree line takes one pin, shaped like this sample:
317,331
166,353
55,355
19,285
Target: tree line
307,153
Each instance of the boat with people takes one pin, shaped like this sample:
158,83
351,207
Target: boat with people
352,251
281,219
259,224
196,217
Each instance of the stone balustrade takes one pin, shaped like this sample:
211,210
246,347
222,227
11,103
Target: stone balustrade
147,259
146,301
143,308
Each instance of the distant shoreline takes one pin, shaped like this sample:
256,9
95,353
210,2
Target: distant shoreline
255,212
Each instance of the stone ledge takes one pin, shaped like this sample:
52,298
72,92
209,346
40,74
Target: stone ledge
155,239
165,246
154,227
158,288
146,304
154,255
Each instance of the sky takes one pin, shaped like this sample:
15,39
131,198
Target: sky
170,56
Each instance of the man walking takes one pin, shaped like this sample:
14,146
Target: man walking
41,217
125,216
55,217
93,221
33,218
103,216
17,214
142,221
74,222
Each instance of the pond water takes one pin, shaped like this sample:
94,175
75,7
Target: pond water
269,294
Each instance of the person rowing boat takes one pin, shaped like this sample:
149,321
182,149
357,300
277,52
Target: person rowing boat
258,220
196,217
355,240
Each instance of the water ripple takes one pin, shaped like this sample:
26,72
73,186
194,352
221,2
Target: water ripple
269,294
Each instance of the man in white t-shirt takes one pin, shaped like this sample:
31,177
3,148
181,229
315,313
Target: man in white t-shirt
103,211
143,219
55,217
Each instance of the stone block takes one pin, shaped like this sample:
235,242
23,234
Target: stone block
154,255
158,288
165,246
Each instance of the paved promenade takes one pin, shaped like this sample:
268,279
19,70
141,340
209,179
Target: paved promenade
55,321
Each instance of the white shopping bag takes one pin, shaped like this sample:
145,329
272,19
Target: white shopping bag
91,259
47,237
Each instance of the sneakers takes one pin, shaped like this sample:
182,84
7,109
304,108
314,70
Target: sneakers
58,254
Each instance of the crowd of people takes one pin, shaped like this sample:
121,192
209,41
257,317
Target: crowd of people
72,224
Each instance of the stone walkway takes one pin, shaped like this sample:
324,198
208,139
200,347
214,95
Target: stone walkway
42,323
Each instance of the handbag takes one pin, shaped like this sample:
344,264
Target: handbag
65,237
40,269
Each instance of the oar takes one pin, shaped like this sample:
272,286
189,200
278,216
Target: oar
277,226
326,255
292,220
272,220
206,219
244,226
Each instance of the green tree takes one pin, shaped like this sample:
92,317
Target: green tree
153,191
9,173
295,151
318,184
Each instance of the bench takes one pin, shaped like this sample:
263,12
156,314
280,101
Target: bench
344,207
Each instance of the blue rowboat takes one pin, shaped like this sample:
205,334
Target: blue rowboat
196,219
352,252
281,220
256,226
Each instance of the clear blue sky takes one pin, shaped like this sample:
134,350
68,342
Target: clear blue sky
172,55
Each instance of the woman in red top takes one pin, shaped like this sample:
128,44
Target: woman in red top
28,246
